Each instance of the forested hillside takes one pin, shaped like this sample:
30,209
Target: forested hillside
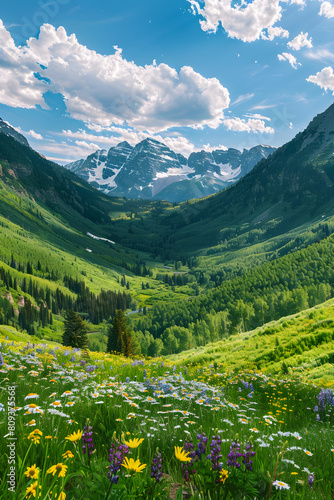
273,290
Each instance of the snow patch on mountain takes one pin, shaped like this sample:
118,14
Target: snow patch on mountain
102,239
184,171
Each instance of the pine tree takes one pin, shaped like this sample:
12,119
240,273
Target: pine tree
75,334
120,337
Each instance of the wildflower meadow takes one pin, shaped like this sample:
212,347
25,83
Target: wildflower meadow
90,425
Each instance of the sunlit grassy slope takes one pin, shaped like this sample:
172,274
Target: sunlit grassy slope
302,343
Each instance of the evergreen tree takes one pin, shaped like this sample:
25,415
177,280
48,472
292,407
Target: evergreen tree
120,338
75,334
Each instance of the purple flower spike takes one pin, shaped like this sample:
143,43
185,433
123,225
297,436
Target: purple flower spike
87,440
156,468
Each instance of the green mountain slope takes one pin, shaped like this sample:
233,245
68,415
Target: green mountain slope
301,344
294,186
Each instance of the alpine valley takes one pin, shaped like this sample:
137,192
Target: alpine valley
176,321
66,245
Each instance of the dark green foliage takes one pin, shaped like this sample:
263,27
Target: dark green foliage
75,334
275,289
6,311
97,307
121,339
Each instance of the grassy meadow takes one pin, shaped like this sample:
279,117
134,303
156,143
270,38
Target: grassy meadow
93,425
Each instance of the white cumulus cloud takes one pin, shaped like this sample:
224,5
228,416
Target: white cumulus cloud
327,10
274,31
302,3
106,89
286,56
324,78
245,21
250,125
300,41
18,85
35,135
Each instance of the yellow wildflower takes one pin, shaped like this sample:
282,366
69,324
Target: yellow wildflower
134,443
223,476
32,472
59,469
32,490
75,436
181,454
132,465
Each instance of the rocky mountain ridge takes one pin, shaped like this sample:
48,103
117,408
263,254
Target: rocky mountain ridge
151,170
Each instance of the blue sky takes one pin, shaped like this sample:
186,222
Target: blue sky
77,75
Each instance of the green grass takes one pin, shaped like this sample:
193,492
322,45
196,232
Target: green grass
122,399
300,344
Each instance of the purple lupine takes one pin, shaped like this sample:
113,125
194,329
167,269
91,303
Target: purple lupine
87,440
201,444
215,454
187,468
116,457
325,396
82,362
1,360
156,468
234,455
311,479
247,455
90,368
73,358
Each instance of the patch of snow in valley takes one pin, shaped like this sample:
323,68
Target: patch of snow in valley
102,239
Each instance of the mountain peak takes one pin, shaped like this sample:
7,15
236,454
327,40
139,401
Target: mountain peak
123,144
8,130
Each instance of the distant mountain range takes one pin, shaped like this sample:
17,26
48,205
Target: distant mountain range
150,170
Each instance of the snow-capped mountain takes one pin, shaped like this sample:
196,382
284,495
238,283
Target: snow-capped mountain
150,170
8,130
